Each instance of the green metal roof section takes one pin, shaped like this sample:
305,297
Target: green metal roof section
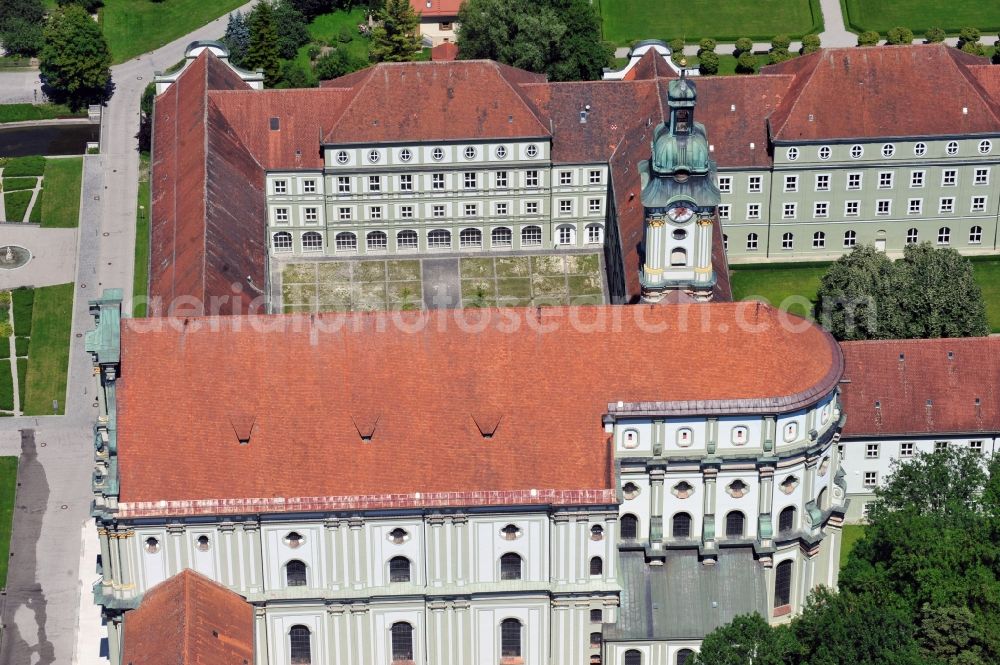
104,341
684,598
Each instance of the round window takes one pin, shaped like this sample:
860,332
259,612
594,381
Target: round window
597,532
857,151
501,152
152,545
373,156
202,543
398,536
985,147
920,149
679,234
343,157
531,150
470,152
792,154
510,532
630,490
952,148
437,154
888,150
294,539
405,155
824,152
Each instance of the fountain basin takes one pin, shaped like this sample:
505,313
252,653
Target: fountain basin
13,256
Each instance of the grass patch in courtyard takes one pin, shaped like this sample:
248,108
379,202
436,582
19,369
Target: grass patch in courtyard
6,385
23,112
48,362
140,276
788,286
16,204
919,15
8,490
852,534
60,199
987,272
628,20
14,184
24,303
15,167
133,27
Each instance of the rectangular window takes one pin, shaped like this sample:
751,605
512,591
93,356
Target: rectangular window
883,207
281,215
471,181
885,180
437,181
565,206
375,212
596,177
852,208
753,211
501,179
754,183
594,205
871,478
725,183
724,211
344,214
946,204
471,209
500,208
343,184
374,183
791,183
280,186
978,203
308,186
531,178
982,177
866,509
822,182
531,208
821,209
437,211
940,445
914,206
871,451
406,212
949,178
565,177
906,449
310,215
406,183
917,178
853,181
789,211
976,446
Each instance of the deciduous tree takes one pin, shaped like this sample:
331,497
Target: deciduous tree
810,44
21,26
395,37
75,63
336,63
291,28
857,297
746,640
939,294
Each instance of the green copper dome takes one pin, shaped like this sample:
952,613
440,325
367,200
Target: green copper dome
680,152
681,90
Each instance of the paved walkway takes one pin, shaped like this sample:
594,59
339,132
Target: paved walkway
52,253
18,86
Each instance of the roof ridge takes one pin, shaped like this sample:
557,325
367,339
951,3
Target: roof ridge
974,82
797,94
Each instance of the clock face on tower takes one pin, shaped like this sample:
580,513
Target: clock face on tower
681,212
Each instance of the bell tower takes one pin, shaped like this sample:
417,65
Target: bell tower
680,200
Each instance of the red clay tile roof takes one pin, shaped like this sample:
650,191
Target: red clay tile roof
445,51
846,93
435,101
436,8
927,392
189,620
425,382
650,66
731,131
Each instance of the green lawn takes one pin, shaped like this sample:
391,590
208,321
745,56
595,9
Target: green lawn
919,15
788,286
8,488
628,20
16,204
24,303
988,276
852,534
15,167
6,386
140,278
61,196
325,28
21,112
48,362
14,184
133,27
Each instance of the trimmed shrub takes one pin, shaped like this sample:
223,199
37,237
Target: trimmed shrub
969,35
706,45
899,36
708,63
810,44
781,43
743,45
778,55
746,63
869,38
934,35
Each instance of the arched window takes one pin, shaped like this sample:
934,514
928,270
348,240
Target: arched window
295,573
597,532
944,235
596,565
377,240
850,238
510,566
751,242
787,241
595,234
566,235
684,656
406,240
510,638
345,242
911,236
725,242
531,236
786,520
399,569
402,641
300,645
501,237
595,640
681,527
470,238
783,583
821,499
633,657
735,522
678,256
312,242
439,238
629,527
819,240
976,235
282,241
